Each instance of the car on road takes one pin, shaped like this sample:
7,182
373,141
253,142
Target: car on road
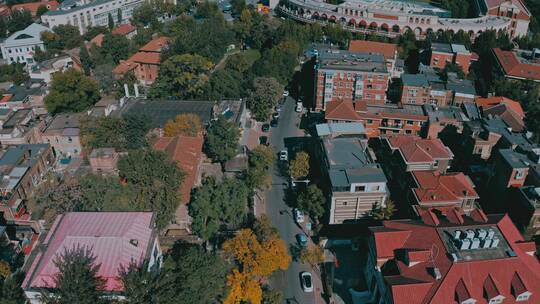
275,115
285,93
302,240
263,140
274,123
299,108
278,108
307,281
284,155
265,128
298,216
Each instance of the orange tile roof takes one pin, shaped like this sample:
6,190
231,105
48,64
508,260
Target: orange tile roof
415,149
387,49
146,58
341,110
124,29
436,187
186,151
124,67
156,45
495,100
515,68
33,6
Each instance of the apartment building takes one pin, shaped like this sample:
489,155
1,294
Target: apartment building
448,257
21,45
388,50
413,153
442,54
350,76
356,181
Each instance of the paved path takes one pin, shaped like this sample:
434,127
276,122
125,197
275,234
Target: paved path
281,215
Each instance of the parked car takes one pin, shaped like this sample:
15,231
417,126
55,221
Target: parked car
298,216
307,281
274,123
275,115
284,155
302,240
285,93
278,108
265,128
263,140
299,108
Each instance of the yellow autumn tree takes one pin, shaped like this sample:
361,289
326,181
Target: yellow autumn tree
257,260
184,124
242,288
5,270
313,255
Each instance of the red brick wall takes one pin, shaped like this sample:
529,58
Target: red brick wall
421,96
147,73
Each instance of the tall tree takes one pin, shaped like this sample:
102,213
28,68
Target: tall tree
86,61
263,98
183,124
299,166
42,9
119,16
77,279
19,20
140,284
261,159
379,212
110,21
222,140
116,46
182,76
215,205
71,91
312,201
69,36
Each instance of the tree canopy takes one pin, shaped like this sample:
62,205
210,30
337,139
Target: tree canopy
71,91
183,124
125,133
312,201
263,98
217,205
299,166
261,159
222,140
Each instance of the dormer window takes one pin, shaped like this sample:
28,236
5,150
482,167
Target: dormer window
523,297
518,289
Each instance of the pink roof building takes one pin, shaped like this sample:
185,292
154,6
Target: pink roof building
116,239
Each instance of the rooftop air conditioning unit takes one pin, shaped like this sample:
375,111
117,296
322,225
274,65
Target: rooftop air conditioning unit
465,244
495,242
475,243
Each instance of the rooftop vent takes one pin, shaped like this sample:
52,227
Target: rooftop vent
134,242
436,272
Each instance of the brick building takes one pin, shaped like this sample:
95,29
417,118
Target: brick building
350,76
388,50
444,53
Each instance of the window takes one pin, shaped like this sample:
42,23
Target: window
410,122
519,174
408,131
359,188
370,121
522,297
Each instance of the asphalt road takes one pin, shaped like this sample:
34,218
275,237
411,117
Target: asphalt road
281,215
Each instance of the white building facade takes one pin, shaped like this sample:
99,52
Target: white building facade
21,46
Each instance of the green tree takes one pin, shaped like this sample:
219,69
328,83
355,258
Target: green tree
3,28
182,76
312,201
379,212
264,230
196,274
263,98
272,296
261,159
224,83
452,68
42,9
19,20
71,91
140,285
116,46
145,15
86,60
215,205
77,279
238,6
110,21
11,291
119,16
222,140
299,167
14,72
93,31
69,36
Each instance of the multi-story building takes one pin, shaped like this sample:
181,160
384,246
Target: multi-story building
418,154
63,134
428,88
525,210
145,63
350,76
357,183
116,239
21,45
511,169
388,50
510,111
84,14
435,189
479,139
444,53
518,65
22,168
447,257
514,10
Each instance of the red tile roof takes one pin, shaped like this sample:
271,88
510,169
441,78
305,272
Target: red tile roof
33,6
115,238
513,67
124,29
186,151
124,67
473,278
341,110
156,45
496,100
97,40
146,58
434,187
417,150
388,50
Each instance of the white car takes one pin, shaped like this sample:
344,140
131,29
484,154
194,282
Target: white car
307,281
283,155
285,93
298,216
299,107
